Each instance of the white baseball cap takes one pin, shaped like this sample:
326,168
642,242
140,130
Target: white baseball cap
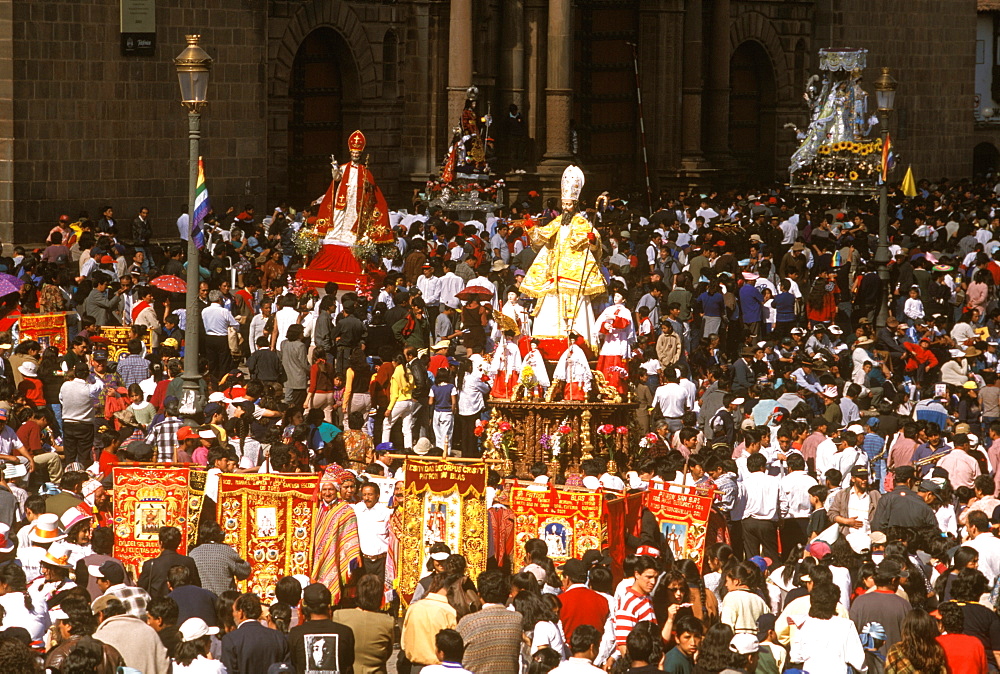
196,628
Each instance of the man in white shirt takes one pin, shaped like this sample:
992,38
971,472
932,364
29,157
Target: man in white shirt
450,284
583,644
286,316
985,543
498,243
760,518
794,502
826,452
672,399
430,289
373,530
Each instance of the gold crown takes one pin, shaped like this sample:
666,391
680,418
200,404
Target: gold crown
151,493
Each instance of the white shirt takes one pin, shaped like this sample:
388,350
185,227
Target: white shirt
988,547
575,666
450,284
217,320
762,496
795,494
609,481
826,452
373,528
200,665
827,646
284,319
430,289
672,400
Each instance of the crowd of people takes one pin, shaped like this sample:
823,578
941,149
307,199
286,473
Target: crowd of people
853,457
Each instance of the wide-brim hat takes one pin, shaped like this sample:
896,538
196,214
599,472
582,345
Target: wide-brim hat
443,344
28,368
58,556
46,529
863,341
972,352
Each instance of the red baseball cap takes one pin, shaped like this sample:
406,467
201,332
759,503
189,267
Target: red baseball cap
186,433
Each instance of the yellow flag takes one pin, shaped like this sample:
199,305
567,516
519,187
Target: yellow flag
909,184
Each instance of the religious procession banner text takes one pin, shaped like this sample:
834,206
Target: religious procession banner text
145,499
682,513
442,502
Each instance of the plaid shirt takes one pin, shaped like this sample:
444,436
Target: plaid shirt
873,445
163,436
132,368
134,599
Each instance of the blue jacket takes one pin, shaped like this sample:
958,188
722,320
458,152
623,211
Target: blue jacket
751,303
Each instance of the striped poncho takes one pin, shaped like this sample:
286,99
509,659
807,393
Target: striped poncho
337,551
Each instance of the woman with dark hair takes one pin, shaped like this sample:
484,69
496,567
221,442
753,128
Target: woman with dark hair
718,556
781,580
18,608
980,621
52,377
714,655
824,641
540,566
319,394
462,593
192,655
918,650
357,380
742,605
695,601
402,407
524,582
539,625
964,558
224,611
279,617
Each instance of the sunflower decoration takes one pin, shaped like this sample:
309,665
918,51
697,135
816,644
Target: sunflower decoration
852,148
853,175
877,145
824,149
831,175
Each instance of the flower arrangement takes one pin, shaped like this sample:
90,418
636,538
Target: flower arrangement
500,441
563,434
306,242
300,288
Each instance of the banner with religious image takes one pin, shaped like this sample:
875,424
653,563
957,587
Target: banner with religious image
116,338
442,502
682,512
571,521
268,520
145,499
46,329
196,498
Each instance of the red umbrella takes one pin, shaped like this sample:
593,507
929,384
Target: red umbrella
169,283
474,293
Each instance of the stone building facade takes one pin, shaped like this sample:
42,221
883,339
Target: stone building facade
82,125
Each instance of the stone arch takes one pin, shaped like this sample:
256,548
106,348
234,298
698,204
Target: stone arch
985,159
758,28
334,14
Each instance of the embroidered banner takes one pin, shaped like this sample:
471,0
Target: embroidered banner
443,502
46,329
117,337
196,496
268,519
569,521
145,499
682,512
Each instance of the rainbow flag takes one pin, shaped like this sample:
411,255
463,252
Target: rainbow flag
200,206
887,157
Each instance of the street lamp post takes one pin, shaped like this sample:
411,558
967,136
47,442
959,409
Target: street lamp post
193,66
885,95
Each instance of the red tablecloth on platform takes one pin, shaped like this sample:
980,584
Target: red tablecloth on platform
332,263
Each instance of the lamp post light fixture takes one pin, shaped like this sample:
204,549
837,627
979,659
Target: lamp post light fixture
193,68
885,96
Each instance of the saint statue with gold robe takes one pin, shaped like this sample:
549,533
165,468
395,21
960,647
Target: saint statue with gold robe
565,276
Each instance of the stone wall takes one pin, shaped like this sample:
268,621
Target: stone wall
94,127
930,47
